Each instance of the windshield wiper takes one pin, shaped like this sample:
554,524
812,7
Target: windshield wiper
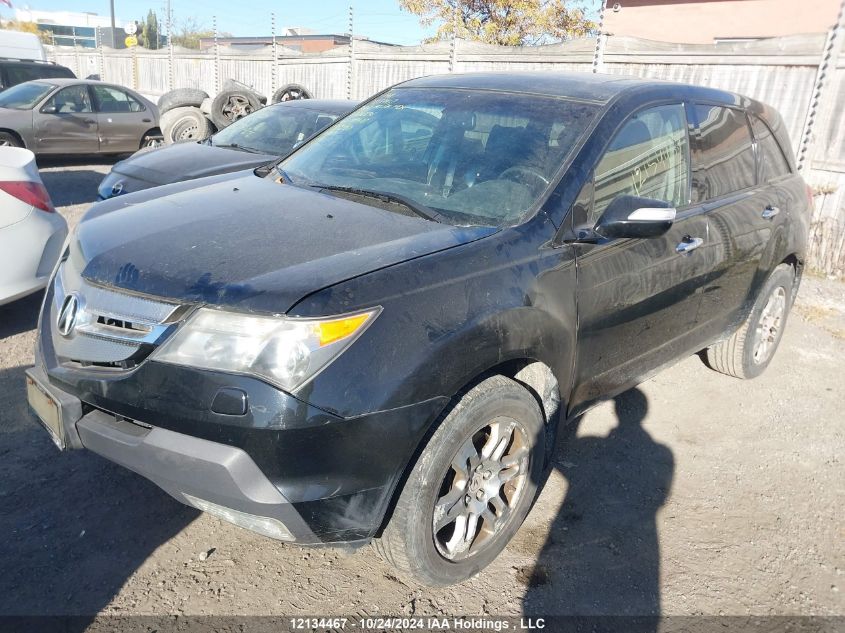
240,147
384,196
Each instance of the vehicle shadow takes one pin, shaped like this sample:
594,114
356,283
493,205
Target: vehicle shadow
75,527
20,316
602,554
73,186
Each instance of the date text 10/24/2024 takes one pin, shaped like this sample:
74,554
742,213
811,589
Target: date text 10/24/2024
418,623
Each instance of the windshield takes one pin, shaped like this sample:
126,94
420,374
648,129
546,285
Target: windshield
24,96
275,130
472,156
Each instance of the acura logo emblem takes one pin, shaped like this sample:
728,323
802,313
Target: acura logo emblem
67,315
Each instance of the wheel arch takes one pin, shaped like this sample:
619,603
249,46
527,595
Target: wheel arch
534,375
16,135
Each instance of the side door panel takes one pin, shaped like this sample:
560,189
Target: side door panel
740,226
638,299
122,119
637,305
72,129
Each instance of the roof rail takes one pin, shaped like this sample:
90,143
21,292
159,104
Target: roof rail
23,59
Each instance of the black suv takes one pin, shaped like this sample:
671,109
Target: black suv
17,71
379,335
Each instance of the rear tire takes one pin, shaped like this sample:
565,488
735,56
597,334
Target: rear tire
484,460
7,139
182,125
749,350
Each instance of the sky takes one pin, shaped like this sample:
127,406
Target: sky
380,20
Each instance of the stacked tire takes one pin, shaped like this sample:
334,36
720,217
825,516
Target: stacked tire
180,117
189,114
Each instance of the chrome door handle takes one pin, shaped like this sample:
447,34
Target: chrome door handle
689,244
769,212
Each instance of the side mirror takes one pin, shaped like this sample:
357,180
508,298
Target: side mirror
631,217
49,109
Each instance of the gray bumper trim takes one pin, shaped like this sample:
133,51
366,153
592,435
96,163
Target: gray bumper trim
184,465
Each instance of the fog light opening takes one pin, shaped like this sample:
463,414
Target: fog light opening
267,526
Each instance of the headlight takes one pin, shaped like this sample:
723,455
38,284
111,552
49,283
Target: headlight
284,351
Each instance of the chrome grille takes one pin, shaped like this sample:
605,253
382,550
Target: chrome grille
110,327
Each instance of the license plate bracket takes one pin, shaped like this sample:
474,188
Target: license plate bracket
48,409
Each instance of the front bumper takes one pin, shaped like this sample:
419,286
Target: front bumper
118,184
214,477
325,478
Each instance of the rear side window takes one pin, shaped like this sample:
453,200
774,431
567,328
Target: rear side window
648,158
19,73
49,71
113,100
722,154
773,163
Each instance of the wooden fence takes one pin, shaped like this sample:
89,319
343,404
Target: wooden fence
783,72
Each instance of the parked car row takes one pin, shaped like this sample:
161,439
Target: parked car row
377,335
248,143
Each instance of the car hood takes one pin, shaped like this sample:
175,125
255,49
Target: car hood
246,242
186,161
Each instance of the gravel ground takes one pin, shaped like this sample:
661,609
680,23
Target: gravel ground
692,494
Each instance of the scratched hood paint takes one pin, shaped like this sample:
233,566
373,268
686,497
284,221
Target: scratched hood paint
247,242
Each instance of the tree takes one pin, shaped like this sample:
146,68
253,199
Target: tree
505,22
149,31
29,27
189,32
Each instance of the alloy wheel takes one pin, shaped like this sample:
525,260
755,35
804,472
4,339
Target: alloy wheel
484,484
769,325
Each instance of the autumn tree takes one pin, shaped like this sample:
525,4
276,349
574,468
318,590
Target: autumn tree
505,22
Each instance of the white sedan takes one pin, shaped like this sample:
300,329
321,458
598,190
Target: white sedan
31,232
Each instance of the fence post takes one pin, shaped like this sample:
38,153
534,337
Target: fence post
169,46
350,73
135,67
102,54
76,59
216,57
453,49
598,56
274,79
829,58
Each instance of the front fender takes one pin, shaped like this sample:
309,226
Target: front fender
447,318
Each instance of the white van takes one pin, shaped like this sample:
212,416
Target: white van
18,45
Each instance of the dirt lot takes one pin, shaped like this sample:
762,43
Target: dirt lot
693,494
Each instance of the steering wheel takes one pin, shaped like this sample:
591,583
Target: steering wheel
524,175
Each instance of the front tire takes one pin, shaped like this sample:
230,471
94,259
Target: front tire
750,349
471,487
9,140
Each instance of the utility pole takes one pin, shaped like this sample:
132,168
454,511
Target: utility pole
111,3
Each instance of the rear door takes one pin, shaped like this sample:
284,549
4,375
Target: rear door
122,119
638,298
66,123
742,212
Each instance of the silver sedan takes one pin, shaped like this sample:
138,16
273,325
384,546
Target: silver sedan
76,116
